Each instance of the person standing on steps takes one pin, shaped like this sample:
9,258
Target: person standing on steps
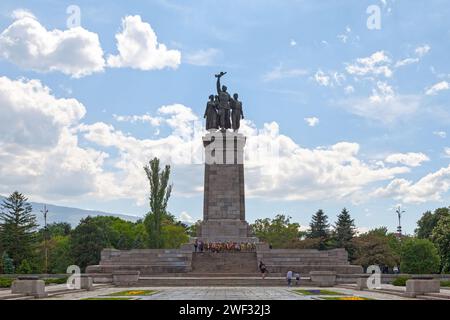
262,269
297,279
196,245
289,278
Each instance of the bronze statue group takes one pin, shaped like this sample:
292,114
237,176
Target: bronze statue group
223,111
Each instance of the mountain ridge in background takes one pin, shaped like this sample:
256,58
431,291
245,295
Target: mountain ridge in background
69,214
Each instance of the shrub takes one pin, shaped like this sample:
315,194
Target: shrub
24,268
55,280
8,264
400,281
419,256
445,283
6,282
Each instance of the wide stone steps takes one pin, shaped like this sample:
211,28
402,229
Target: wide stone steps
224,262
216,282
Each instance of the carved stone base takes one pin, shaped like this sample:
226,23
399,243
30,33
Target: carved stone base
224,230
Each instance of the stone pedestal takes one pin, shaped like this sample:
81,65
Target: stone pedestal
361,283
86,282
323,278
224,197
29,286
125,278
417,287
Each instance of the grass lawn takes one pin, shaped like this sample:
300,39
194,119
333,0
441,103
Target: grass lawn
310,292
445,284
133,293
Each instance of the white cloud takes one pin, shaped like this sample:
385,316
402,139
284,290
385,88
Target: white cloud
280,72
435,89
26,43
441,134
322,79
293,43
204,57
32,116
405,62
329,79
422,50
408,159
349,89
429,188
312,122
153,121
185,217
447,152
39,151
138,48
382,106
382,93
377,64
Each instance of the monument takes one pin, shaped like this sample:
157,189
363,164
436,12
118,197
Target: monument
224,190
223,219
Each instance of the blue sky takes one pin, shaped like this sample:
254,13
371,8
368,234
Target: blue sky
361,116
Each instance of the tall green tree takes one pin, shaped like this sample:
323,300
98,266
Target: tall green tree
280,232
373,248
160,191
441,238
344,229
320,229
87,241
429,221
419,256
17,227
343,232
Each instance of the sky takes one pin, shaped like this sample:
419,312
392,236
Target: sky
346,103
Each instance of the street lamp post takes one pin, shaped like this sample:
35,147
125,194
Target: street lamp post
44,212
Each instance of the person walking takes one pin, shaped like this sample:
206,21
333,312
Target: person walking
262,269
289,278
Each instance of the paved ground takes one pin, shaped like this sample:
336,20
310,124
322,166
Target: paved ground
223,293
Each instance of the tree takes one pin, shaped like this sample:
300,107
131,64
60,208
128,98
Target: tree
194,229
17,227
344,229
441,238
278,232
60,254
174,236
8,264
25,267
320,228
429,221
419,256
159,196
374,249
87,241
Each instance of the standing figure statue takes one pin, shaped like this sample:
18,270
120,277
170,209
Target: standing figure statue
211,115
236,112
224,104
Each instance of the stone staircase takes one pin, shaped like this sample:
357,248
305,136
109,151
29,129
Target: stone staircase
214,281
149,261
224,262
